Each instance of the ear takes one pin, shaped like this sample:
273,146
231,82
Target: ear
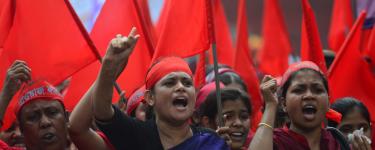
149,98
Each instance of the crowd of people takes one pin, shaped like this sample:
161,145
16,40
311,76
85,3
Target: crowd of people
168,112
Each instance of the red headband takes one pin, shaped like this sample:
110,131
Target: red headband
296,67
334,116
40,90
204,91
164,67
135,99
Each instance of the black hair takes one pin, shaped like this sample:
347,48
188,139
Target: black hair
228,77
346,105
209,106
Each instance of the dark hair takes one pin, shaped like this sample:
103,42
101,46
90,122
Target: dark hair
229,77
345,105
209,106
284,88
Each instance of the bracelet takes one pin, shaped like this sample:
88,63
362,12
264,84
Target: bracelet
265,124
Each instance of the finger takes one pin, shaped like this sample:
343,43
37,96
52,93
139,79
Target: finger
359,142
18,62
266,78
366,143
22,77
133,32
222,130
118,36
19,65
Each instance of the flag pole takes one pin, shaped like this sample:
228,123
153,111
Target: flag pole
211,29
91,43
217,83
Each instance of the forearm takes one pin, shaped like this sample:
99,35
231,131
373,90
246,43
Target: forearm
81,116
102,92
5,98
89,140
263,138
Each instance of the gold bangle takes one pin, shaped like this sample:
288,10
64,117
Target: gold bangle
265,124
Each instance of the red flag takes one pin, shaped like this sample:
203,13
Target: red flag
185,30
7,11
147,26
49,37
225,50
341,22
311,47
200,71
243,64
273,57
116,17
350,74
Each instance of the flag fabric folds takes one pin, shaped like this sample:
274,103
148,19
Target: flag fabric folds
273,56
311,46
243,63
48,36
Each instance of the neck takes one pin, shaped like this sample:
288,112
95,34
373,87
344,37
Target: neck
172,135
312,135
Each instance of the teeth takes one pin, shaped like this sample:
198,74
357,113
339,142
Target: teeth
237,134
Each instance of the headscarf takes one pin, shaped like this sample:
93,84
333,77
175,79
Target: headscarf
135,99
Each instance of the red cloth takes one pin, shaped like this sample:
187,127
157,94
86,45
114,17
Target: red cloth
224,47
7,10
350,74
341,22
48,36
204,91
200,71
116,17
38,90
334,116
164,67
296,67
273,57
311,47
185,30
135,99
243,63
4,146
370,50
285,139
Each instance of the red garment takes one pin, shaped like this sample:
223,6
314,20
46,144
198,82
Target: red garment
135,99
286,139
4,146
204,91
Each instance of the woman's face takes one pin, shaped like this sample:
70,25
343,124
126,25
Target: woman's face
237,118
306,100
174,97
354,120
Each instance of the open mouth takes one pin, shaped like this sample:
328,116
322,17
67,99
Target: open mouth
49,137
237,136
309,111
180,102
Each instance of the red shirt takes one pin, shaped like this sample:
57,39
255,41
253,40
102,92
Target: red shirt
285,139
5,146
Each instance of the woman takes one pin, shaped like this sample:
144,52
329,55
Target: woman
169,90
355,116
236,109
304,96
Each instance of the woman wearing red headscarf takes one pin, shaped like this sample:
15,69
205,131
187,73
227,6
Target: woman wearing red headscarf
169,91
304,97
